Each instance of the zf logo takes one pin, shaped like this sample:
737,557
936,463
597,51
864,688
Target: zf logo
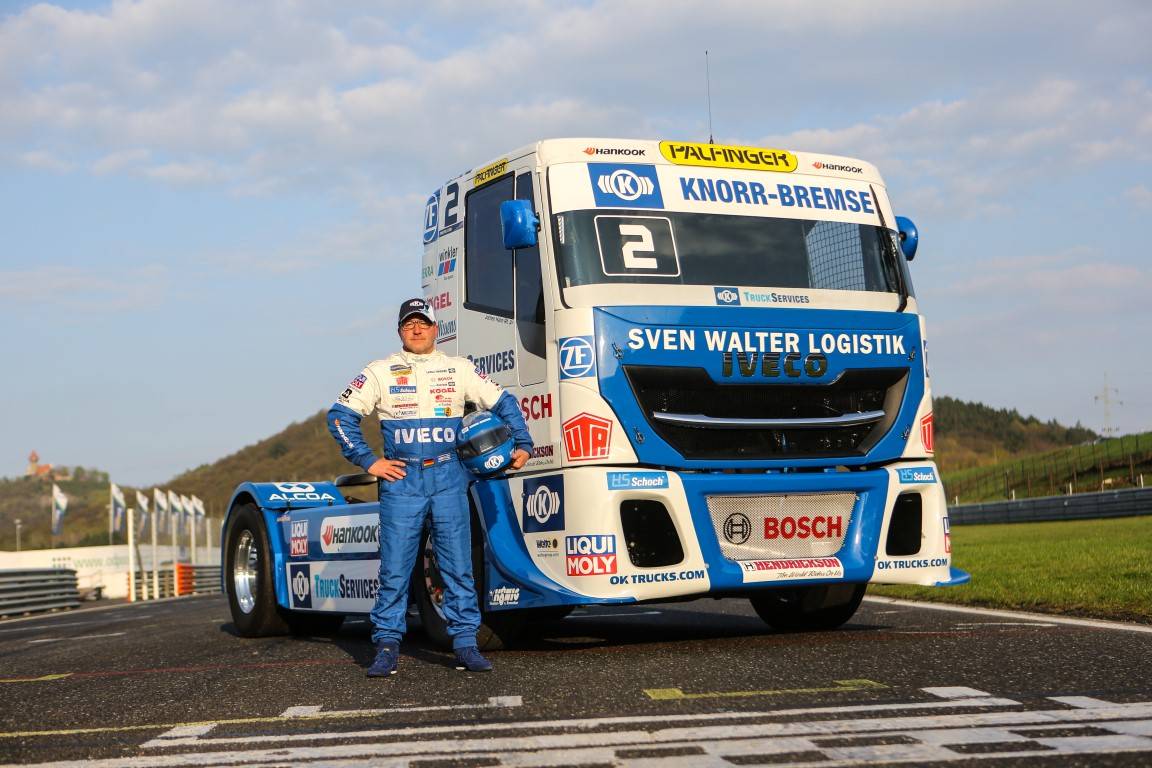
431,217
299,582
631,186
577,359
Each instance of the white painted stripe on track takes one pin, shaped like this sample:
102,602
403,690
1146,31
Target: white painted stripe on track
954,692
641,747
598,722
78,637
1119,626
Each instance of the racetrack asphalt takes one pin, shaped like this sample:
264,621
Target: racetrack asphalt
692,684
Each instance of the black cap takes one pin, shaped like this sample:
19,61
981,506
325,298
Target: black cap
415,307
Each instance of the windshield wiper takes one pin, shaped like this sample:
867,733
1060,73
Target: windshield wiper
893,253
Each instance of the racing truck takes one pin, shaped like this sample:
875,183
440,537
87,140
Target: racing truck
722,362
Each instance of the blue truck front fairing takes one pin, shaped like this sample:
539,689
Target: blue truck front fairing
794,362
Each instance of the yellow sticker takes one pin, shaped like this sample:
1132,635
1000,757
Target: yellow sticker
724,156
489,172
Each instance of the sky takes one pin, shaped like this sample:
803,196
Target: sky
210,210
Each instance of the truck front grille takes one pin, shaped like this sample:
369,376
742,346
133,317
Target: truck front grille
781,526
671,390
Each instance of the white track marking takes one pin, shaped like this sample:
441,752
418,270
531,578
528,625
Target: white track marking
589,724
78,637
1082,702
185,735
835,741
955,692
1030,617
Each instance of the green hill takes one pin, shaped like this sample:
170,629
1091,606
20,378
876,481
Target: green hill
968,436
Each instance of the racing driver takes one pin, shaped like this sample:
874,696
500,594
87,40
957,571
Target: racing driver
418,395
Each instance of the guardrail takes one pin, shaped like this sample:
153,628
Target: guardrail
1080,506
37,589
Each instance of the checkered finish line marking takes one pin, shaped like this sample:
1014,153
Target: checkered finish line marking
992,728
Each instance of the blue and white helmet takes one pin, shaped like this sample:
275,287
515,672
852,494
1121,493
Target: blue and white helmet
484,443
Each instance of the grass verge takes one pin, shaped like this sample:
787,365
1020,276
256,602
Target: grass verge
1095,568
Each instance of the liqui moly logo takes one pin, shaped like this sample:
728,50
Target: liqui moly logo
590,555
587,437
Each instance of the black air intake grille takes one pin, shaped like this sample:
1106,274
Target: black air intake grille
668,390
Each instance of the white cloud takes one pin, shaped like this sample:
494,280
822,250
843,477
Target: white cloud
45,161
1139,196
86,289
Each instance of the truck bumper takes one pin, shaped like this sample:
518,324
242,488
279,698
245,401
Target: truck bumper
625,534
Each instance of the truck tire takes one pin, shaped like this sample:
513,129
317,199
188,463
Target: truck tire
820,607
497,629
248,577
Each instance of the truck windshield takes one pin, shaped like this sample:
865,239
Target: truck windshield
677,248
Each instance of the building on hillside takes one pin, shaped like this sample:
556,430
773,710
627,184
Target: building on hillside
46,471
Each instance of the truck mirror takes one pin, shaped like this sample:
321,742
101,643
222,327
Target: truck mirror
519,223
909,236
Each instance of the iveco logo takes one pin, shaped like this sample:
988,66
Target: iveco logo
624,184
737,528
296,487
300,586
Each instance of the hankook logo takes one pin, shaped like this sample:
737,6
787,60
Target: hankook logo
616,152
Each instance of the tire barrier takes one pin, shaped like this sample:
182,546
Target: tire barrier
34,590
1080,506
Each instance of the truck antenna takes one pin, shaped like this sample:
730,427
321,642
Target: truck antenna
708,88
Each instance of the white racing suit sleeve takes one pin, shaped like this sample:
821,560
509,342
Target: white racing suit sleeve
491,397
357,400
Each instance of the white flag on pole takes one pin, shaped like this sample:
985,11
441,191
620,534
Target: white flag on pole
142,504
59,507
186,505
161,508
118,507
174,507
198,505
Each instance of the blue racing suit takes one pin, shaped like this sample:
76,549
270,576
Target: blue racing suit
419,400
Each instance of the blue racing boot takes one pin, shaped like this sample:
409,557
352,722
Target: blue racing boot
387,657
470,659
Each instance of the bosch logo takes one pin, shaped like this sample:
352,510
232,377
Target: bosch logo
542,504
295,487
492,462
625,184
737,528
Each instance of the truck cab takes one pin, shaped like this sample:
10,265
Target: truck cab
721,360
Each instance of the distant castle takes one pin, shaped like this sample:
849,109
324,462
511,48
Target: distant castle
46,471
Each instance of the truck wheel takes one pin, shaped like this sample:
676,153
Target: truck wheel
497,630
821,607
248,575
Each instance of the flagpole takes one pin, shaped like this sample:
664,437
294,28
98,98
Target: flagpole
111,511
155,560
131,558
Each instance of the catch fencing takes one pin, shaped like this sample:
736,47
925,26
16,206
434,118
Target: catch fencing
1081,506
33,590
